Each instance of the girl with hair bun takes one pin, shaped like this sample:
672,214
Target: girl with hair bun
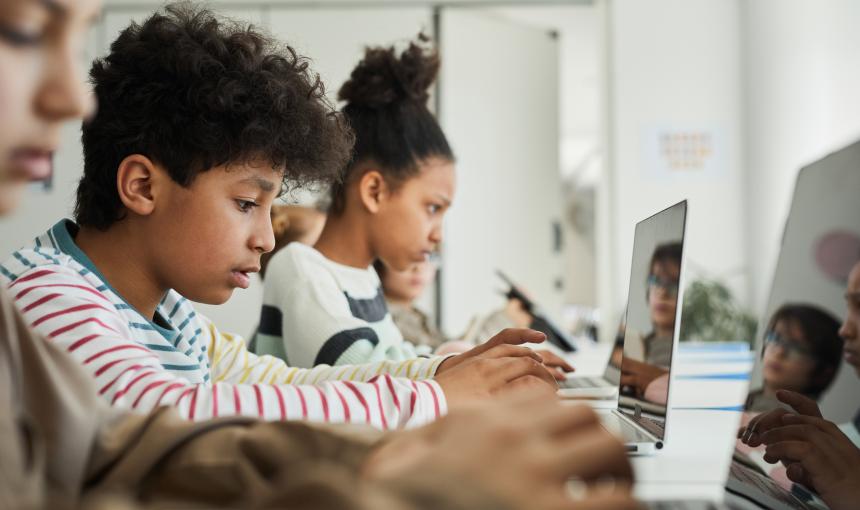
325,304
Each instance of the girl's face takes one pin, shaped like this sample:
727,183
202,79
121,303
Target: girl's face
663,293
408,225
42,84
788,363
408,285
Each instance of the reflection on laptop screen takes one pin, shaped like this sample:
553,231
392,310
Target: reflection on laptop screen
798,345
653,314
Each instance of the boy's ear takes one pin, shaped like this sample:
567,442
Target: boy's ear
372,190
137,182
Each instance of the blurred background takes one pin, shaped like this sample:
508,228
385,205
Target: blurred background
571,121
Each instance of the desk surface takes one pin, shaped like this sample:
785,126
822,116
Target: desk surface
709,386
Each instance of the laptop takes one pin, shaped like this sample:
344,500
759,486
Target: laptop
749,487
641,385
599,387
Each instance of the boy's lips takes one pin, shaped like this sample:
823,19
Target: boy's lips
851,357
31,164
242,277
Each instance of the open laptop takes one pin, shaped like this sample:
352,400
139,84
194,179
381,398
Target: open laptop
641,386
798,279
598,387
749,487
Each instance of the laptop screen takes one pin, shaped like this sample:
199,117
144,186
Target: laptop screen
799,346
653,317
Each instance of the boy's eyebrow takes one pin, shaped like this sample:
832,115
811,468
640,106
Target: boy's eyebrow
261,183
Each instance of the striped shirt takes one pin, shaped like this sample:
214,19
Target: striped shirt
181,359
316,311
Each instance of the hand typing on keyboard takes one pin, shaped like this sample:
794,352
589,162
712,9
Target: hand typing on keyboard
815,452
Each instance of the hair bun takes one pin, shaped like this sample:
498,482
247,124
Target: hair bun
383,78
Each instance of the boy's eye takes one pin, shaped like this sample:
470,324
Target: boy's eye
19,38
246,205
433,208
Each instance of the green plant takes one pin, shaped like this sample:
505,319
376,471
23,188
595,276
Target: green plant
711,314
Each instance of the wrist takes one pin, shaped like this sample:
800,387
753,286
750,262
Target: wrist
449,362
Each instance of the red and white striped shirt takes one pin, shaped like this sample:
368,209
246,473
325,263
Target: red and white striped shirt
181,359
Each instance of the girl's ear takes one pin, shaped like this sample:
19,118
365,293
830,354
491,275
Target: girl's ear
372,190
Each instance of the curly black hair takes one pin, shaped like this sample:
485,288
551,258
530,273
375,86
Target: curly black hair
192,91
386,106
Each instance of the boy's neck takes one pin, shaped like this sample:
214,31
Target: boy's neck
346,242
120,261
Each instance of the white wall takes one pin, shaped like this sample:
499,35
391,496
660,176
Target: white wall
674,64
581,133
803,101
499,109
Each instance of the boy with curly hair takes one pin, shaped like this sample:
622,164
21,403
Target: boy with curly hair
200,123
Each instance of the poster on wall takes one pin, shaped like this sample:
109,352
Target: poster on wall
684,152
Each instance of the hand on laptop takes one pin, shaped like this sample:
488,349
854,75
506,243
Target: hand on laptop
478,379
815,452
521,450
497,366
556,365
505,344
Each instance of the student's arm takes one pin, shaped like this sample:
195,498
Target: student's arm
71,313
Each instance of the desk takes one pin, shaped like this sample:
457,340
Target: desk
709,386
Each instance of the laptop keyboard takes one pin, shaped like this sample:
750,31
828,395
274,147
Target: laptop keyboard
681,505
653,426
584,382
763,484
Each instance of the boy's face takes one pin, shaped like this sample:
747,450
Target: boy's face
408,226
42,84
785,365
208,238
850,330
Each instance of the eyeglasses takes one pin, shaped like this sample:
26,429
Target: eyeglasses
670,286
791,348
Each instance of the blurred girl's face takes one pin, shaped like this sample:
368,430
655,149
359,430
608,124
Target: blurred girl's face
663,293
788,361
408,285
408,225
42,84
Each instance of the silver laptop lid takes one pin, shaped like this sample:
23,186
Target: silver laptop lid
653,318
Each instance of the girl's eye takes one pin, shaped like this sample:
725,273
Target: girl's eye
246,205
433,208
